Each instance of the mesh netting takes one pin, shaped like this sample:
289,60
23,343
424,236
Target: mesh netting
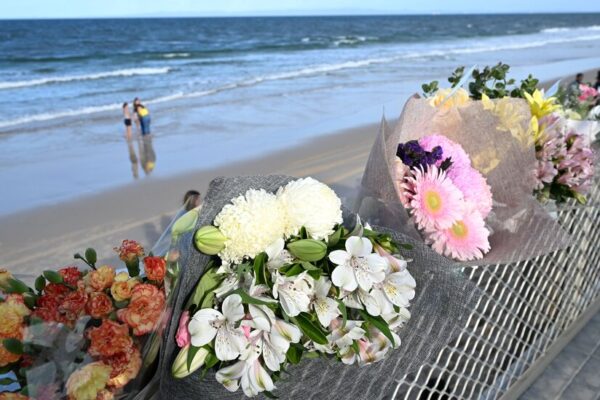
443,301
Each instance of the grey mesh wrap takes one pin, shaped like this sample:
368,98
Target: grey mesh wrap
442,303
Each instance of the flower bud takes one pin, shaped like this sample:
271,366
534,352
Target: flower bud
180,365
185,223
4,277
209,240
308,249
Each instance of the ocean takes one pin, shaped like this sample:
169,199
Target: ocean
225,89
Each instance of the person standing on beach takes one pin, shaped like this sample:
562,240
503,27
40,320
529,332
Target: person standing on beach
147,154
129,140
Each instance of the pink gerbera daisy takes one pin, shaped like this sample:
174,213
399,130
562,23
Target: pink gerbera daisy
436,203
474,188
466,240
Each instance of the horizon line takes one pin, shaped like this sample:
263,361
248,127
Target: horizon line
300,15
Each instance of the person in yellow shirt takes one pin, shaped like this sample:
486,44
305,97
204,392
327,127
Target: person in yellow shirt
147,154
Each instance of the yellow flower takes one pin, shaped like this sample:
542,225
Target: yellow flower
122,287
540,106
441,100
12,311
510,119
87,382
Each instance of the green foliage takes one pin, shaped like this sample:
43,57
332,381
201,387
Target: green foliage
53,276
40,283
14,346
91,256
378,323
311,329
294,353
209,281
430,88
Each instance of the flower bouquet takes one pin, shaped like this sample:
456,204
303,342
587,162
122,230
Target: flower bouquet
82,334
283,290
474,202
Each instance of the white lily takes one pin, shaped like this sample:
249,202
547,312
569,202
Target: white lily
325,307
278,255
253,376
343,337
357,265
397,289
231,280
293,292
208,324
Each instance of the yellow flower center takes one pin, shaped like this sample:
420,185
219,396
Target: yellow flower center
433,201
459,229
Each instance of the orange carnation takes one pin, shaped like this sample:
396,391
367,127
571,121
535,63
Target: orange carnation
129,250
70,275
73,305
144,310
102,278
156,268
99,305
125,367
109,339
12,312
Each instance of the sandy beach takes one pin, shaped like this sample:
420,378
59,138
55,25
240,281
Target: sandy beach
48,236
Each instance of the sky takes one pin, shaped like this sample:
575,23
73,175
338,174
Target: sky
10,9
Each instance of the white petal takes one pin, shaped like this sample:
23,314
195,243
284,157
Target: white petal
359,246
289,306
233,310
259,378
273,355
343,277
275,248
339,257
326,309
377,264
229,343
370,302
289,332
322,287
201,328
260,319
399,288
230,376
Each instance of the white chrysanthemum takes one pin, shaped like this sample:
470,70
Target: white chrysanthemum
312,204
251,223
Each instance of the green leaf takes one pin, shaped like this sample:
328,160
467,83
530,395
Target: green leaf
260,273
312,331
335,237
13,345
211,360
40,283
7,381
406,246
30,299
378,323
209,281
316,274
344,311
17,286
294,353
247,299
308,266
296,269
91,256
269,395
355,347
184,224
121,304
53,276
